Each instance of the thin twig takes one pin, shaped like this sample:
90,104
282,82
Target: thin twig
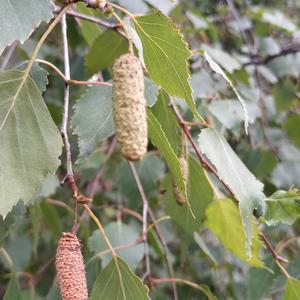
71,81
272,250
145,214
9,52
258,60
159,234
182,281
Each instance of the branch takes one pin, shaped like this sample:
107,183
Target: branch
159,234
145,214
258,60
200,156
9,52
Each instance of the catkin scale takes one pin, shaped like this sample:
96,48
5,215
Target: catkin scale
70,268
179,196
129,110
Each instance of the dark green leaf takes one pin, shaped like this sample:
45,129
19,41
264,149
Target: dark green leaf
106,48
118,234
118,282
13,291
18,20
291,126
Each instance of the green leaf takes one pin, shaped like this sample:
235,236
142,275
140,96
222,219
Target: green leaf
291,126
38,74
92,119
13,291
167,120
165,55
159,139
18,20
292,289
118,234
106,48
224,220
246,188
283,207
90,30
32,141
259,281
216,68
118,282
200,242
200,195
150,170
52,220
165,6
284,94
11,221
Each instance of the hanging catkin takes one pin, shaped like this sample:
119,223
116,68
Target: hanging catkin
129,110
70,268
179,196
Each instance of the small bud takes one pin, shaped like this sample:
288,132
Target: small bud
129,110
179,196
70,268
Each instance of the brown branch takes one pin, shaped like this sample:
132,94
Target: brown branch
200,156
276,256
145,214
159,234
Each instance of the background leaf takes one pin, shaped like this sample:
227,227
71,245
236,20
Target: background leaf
292,289
199,193
283,207
118,234
105,49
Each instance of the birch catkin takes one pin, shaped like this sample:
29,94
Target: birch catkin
70,268
129,110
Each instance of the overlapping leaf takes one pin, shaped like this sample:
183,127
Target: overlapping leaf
224,220
18,20
165,55
93,120
30,141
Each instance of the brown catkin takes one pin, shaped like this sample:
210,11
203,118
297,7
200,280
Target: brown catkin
70,268
179,196
129,110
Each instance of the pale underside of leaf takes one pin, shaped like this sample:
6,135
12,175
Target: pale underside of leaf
246,188
216,68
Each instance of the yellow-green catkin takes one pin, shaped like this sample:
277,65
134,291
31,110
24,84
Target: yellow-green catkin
179,196
70,268
129,110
